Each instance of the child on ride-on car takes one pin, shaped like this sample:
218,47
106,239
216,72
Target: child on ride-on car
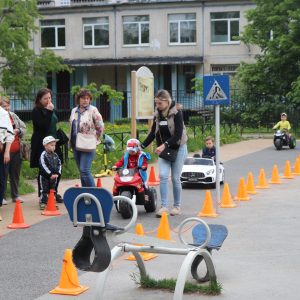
284,124
209,151
134,158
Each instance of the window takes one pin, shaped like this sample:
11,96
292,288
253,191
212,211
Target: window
189,74
96,32
53,34
182,28
136,30
225,27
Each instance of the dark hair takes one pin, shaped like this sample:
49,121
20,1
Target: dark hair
40,94
82,93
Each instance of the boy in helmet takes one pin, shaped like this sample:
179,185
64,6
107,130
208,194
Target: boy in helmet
284,125
134,158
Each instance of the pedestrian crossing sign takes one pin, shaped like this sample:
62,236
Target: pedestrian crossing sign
216,90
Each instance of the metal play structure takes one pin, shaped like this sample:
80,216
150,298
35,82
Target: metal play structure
91,208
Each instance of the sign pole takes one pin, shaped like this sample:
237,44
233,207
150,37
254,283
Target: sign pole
217,125
133,104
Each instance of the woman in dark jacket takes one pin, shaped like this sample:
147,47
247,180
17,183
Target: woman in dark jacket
44,121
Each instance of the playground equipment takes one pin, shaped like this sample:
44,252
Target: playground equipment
91,208
108,145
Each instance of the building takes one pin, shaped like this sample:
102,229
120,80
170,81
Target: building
178,40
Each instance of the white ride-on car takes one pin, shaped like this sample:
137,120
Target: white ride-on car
197,170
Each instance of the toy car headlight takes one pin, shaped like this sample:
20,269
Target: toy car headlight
210,172
125,172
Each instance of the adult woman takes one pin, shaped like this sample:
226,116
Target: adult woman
6,138
44,121
169,131
86,129
14,167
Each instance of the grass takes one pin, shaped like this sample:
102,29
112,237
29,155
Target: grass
212,288
24,188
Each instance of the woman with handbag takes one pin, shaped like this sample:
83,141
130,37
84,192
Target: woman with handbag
86,129
14,167
169,131
44,120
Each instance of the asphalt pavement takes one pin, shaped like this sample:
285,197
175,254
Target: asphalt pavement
259,259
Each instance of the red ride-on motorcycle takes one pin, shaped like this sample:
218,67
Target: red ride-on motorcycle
128,183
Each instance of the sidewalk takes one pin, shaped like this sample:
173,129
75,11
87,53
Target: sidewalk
31,211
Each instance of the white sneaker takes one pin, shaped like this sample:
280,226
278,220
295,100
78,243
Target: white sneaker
161,210
19,198
4,202
175,211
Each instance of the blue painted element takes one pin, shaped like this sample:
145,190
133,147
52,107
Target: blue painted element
104,197
218,235
211,83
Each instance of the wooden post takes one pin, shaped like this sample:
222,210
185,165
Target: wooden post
150,123
133,104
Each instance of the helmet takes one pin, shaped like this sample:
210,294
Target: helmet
283,114
133,145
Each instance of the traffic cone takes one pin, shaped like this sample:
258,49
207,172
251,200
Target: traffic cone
50,209
207,208
250,188
275,176
262,182
99,183
163,230
146,256
227,201
242,193
297,167
18,220
68,283
152,178
287,171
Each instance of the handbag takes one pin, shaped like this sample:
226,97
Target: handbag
85,142
169,154
62,137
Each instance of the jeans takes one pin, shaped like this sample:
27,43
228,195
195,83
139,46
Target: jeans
164,170
84,162
2,178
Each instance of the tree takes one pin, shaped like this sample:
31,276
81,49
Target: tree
22,71
274,25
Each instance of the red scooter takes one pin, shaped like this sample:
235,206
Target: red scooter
128,183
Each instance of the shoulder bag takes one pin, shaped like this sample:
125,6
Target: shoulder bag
168,153
85,142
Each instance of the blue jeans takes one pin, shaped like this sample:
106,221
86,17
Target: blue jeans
84,162
164,171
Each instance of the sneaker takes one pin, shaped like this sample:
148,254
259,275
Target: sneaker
59,199
4,202
19,198
42,206
161,210
0,218
175,211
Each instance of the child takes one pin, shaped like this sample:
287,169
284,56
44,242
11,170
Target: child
134,158
49,170
283,124
209,151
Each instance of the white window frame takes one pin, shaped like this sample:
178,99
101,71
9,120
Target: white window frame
228,29
140,32
179,23
93,34
56,35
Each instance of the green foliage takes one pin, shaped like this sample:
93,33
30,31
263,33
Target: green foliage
104,89
274,80
123,121
198,85
24,188
21,69
196,120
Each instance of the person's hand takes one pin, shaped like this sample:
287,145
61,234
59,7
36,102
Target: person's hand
54,176
1,147
144,168
50,105
114,168
6,157
17,131
159,149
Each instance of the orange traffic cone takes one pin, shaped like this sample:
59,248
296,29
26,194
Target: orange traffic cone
297,167
207,208
152,178
262,182
242,193
146,256
50,209
250,188
287,171
227,201
275,176
99,183
18,220
163,230
68,283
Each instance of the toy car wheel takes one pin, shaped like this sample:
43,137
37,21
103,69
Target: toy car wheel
292,143
223,178
150,205
124,207
278,144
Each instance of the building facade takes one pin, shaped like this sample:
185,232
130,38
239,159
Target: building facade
104,41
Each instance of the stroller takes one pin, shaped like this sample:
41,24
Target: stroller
108,146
